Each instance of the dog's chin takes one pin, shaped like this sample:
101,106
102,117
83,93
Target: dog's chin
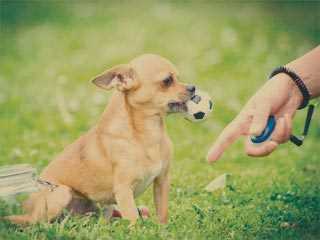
177,107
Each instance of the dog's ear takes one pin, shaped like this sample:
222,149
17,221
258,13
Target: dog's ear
122,76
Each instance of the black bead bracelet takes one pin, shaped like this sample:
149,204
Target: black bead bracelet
297,80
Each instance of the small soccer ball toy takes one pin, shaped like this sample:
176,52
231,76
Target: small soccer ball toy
199,106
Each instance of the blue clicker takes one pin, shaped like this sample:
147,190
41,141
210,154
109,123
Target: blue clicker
271,124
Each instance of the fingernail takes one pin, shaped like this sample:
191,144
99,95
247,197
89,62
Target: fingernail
211,157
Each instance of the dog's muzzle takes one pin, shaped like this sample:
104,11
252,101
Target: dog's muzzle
180,106
175,107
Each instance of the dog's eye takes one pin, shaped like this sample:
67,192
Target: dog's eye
168,81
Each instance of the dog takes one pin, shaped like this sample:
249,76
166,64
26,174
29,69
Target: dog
126,151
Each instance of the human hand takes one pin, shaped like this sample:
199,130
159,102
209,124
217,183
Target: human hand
279,97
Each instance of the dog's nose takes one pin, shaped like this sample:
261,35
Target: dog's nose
191,89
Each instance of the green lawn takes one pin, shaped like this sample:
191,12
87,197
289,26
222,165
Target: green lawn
49,51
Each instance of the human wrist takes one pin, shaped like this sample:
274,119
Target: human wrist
308,79
307,67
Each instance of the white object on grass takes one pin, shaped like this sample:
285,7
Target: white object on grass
218,183
15,179
199,106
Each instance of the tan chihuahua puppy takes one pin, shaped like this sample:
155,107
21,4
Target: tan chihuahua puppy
124,153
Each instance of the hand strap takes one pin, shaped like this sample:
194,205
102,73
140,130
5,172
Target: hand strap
299,140
297,80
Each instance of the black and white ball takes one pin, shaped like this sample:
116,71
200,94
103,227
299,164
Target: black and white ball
199,106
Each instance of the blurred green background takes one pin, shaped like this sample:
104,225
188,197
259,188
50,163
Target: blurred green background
50,49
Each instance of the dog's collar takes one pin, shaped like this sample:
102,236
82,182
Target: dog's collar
47,184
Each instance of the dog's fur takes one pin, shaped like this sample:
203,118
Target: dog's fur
126,151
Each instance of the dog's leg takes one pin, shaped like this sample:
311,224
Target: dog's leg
161,197
125,200
45,206
79,205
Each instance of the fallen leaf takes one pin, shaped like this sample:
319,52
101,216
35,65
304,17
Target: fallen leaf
218,183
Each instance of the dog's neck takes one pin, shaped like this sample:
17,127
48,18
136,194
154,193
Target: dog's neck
122,119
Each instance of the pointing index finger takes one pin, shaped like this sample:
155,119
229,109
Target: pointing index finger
231,133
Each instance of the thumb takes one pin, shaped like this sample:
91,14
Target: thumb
259,120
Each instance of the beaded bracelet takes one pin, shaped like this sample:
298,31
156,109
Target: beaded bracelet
297,80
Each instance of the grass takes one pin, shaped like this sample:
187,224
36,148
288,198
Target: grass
50,50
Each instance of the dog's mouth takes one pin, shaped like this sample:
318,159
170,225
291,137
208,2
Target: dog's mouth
180,106
177,106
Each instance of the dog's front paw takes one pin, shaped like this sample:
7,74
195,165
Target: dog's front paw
112,212
143,212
